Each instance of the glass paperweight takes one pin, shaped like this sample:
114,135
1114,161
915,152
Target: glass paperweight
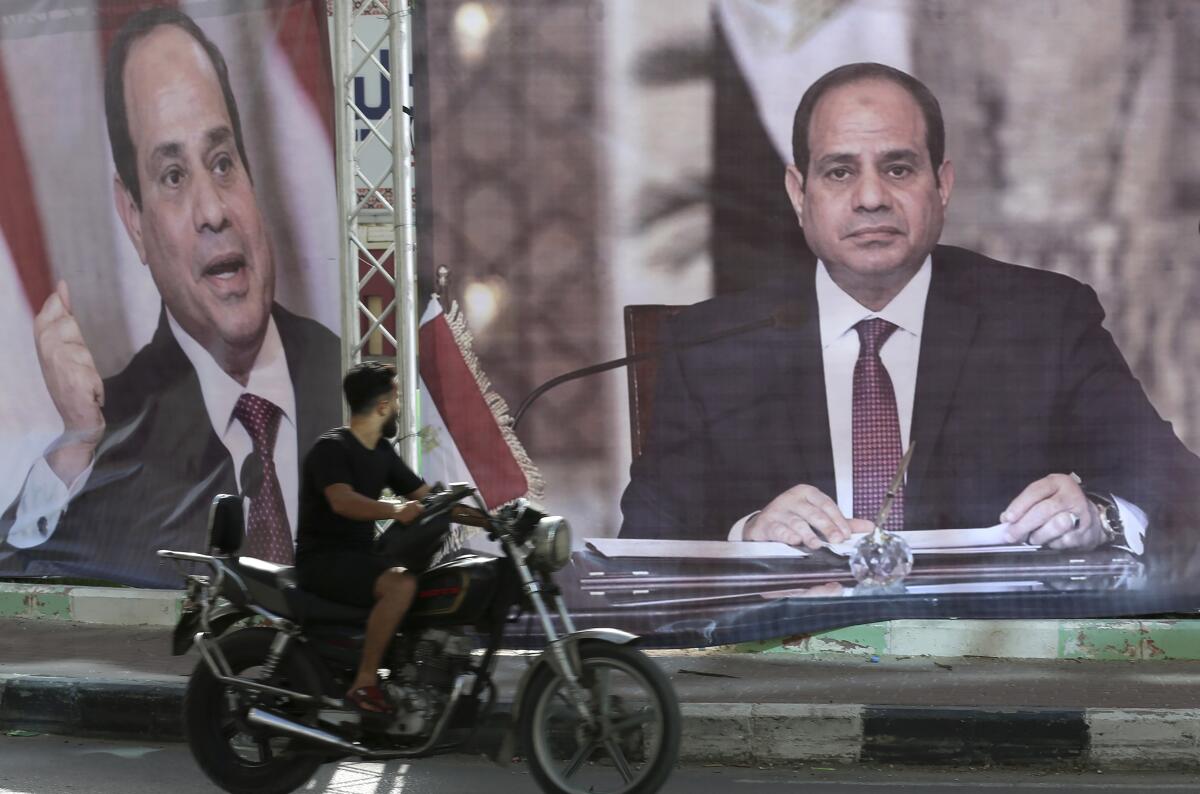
881,559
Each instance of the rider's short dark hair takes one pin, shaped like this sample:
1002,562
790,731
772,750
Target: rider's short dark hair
137,26
365,383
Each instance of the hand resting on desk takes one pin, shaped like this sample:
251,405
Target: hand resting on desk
793,516
1041,515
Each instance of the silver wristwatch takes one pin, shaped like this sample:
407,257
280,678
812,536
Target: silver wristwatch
1110,518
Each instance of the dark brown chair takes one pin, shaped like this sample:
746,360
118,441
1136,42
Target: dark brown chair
643,327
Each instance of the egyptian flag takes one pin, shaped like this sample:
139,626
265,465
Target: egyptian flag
466,430
29,420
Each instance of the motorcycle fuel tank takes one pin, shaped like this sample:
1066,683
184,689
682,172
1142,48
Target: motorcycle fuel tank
458,592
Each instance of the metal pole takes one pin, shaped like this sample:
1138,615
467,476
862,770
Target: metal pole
343,87
400,32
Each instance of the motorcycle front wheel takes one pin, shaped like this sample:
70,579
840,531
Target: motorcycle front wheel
239,757
630,744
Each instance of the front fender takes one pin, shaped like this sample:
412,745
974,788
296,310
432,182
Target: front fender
571,642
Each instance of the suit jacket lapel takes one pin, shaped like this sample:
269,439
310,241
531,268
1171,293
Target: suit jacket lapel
314,373
951,318
196,445
802,386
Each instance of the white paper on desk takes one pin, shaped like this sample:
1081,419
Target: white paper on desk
692,549
981,540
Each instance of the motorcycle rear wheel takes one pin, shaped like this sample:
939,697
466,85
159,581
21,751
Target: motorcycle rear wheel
637,743
242,758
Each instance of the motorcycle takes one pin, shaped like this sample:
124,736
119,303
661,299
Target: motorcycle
264,706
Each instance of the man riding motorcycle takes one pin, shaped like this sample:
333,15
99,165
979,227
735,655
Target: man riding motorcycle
342,479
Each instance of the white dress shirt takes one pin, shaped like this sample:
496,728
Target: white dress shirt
900,353
839,313
269,379
44,496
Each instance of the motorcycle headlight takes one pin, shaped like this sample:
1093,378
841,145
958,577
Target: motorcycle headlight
551,543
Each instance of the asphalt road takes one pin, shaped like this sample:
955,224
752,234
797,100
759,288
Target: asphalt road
65,765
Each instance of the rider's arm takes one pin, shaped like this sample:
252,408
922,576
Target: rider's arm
347,502
461,514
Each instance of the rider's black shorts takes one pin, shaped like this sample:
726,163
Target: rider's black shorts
347,577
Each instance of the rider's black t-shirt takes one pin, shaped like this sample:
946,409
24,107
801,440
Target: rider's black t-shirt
339,457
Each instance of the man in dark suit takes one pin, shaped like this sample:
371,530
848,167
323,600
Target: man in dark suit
232,388
1022,410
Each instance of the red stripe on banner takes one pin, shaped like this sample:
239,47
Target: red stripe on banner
452,387
19,219
302,30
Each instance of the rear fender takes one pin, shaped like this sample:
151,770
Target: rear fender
570,643
219,621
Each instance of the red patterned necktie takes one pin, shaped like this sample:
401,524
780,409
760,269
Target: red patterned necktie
875,427
268,535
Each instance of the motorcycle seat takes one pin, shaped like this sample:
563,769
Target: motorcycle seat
275,588
267,583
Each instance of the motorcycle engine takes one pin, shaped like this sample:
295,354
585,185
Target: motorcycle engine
424,667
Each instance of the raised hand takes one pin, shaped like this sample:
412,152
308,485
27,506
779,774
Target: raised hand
74,384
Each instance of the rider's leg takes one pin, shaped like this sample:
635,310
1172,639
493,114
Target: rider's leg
394,591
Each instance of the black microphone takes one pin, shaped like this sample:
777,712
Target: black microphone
252,475
787,315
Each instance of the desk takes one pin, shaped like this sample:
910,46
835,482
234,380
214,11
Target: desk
700,602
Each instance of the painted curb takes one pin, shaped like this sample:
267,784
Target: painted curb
81,707
1144,737
900,734
737,734
119,606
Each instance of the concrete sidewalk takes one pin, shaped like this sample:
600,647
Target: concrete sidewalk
59,676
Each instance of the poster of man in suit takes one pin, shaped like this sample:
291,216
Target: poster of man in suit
176,286
1034,266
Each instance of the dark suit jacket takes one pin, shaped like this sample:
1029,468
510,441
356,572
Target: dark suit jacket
1016,379
161,463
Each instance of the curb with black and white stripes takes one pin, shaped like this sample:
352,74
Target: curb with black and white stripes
786,733
719,733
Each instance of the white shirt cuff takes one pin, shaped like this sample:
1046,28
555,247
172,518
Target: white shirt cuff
1134,520
44,499
735,534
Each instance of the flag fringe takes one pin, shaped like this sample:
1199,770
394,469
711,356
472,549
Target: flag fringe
456,319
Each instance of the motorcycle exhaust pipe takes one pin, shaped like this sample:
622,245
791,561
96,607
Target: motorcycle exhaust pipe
283,725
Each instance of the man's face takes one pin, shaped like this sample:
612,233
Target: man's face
391,425
871,204
199,228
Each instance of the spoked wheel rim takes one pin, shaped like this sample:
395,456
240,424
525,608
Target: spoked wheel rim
240,757
251,745
616,753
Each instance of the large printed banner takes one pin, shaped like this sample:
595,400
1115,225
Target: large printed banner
834,232
168,242
980,245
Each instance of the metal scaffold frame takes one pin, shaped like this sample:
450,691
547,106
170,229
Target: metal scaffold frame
362,194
